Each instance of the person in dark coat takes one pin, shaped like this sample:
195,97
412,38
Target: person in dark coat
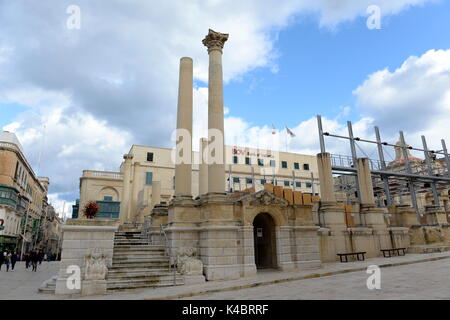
14,259
41,257
2,259
34,260
27,260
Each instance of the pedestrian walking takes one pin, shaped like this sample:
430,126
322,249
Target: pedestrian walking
14,259
34,260
2,259
27,260
7,260
41,256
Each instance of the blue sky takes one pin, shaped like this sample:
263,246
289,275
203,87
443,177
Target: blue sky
320,67
113,83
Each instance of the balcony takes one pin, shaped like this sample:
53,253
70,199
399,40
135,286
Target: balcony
108,209
9,196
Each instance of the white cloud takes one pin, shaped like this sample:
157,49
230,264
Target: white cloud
414,98
114,81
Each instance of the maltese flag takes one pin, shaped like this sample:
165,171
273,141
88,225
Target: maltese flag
290,132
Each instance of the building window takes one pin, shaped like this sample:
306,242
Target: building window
306,166
247,160
298,184
263,181
150,156
284,164
296,166
308,185
272,163
248,180
235,159
236,180
260,162
149,178
286,183
108,198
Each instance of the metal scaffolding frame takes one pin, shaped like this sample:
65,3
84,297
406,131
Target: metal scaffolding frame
412,175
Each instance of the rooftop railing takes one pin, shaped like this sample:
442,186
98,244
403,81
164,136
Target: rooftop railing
103,174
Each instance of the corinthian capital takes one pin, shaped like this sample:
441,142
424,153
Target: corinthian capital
215,40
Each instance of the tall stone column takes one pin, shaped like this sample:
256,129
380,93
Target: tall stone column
325,177
215,41
125,201
203,169
365,182
183,166
136,186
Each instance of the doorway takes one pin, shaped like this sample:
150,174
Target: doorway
264,241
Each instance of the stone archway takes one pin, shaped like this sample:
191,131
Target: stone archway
264,237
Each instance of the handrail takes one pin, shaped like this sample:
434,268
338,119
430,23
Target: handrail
168,251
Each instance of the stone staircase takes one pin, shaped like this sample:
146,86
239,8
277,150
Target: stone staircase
138,264
48,286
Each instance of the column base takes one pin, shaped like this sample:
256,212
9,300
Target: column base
93,287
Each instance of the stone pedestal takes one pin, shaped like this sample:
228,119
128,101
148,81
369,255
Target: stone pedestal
435,215
407,216
80,236
333,236
93,287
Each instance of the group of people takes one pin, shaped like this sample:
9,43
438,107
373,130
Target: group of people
32,258
9,258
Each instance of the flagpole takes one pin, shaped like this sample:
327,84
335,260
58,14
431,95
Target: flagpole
286,140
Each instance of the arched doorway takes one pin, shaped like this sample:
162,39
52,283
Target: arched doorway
264,241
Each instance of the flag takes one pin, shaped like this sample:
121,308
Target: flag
273,129
290,132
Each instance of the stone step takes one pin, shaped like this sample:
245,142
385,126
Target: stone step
142,262
138,236
139,254
129,244
140,275
139,258
138,247
114,273
133,235
139,266
124,285
49,286
131,240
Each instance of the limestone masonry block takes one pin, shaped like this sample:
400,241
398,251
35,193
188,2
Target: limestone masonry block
307,199
269,187
278,191
287,193
298,197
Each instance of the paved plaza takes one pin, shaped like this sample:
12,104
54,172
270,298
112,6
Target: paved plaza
411,277
428,280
